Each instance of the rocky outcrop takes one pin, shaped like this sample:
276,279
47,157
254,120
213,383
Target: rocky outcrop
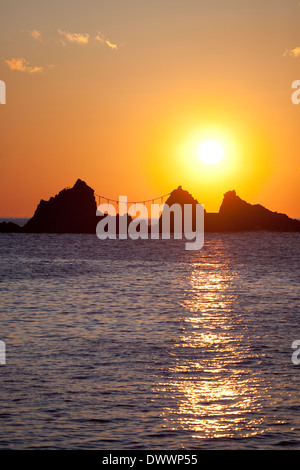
9,227
72,210
236,214
181,197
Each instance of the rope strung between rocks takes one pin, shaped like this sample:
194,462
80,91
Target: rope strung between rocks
108,199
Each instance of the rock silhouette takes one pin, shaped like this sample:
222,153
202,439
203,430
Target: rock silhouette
73,210
236,214
181,197
9,227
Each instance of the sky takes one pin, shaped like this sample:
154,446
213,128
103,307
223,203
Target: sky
123,93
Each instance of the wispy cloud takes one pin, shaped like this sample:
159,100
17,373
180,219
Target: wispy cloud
101,38
293,52
35,34
22,65
77,38
111,45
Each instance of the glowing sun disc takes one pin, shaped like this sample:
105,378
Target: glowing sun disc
210,152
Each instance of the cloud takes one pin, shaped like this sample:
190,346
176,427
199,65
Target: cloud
101,38
35,34
111,45
22,65
293,52
77,38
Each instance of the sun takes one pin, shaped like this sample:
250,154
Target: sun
210,152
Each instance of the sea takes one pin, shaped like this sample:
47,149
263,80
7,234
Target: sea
141,344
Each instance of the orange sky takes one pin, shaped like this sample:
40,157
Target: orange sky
122,94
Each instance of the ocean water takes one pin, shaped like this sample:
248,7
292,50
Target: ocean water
124,344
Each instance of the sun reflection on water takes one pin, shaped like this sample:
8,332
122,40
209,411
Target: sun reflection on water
213,392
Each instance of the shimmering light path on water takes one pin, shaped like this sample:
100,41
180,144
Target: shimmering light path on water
143,345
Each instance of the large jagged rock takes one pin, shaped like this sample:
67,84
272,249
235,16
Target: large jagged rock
238,215
70,211
181,197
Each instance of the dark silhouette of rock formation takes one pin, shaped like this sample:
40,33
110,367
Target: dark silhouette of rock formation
9,227
73,210
181,197
236,214
70,211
